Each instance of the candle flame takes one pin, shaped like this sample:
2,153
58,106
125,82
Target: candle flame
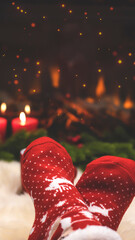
3,107
27,109
128,103
22,118
100,89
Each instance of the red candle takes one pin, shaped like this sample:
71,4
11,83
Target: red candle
3,128
24,123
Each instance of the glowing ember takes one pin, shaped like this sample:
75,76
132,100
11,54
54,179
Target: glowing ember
3,107
100,33
119,61
128,103
70,11
100,89
16,82
111,8
62,5
22,118
33,25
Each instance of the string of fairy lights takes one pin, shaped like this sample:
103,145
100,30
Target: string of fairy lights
69,12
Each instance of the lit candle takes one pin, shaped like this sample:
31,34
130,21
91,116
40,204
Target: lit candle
27,109
3,107
3,128
24,122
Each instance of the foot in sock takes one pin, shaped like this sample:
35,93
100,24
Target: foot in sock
108,187
60,212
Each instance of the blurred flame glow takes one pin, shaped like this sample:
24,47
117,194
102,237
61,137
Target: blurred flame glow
100,89
128,103
27,109
3,107
22,118
55,77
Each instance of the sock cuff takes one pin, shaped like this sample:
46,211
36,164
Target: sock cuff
93,233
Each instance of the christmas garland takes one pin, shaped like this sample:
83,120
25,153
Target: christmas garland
82,148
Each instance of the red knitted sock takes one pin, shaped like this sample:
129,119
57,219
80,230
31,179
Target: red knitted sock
47,175
108,187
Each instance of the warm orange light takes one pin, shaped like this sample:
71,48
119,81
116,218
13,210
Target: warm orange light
22,118
37,63
100,33
134,63
119,61
128,103
34,90
85,13
116,100
17,56
90,100
58,30
27,109
84,85
33,25
130,54
70,11
55,77
111,8
25,69
63,5
19,90
13,3
39,72
100,89
99,70
3,107
16,82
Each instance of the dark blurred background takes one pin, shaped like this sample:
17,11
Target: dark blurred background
73,58
74,42
73,63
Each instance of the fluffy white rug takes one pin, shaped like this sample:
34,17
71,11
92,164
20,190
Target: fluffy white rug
17,211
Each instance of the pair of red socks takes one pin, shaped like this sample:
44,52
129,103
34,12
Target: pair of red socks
91,210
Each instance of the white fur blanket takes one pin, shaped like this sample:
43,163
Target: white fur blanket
17,210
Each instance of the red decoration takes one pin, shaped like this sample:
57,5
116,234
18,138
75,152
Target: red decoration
108,187
30,125
47,175
3,128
